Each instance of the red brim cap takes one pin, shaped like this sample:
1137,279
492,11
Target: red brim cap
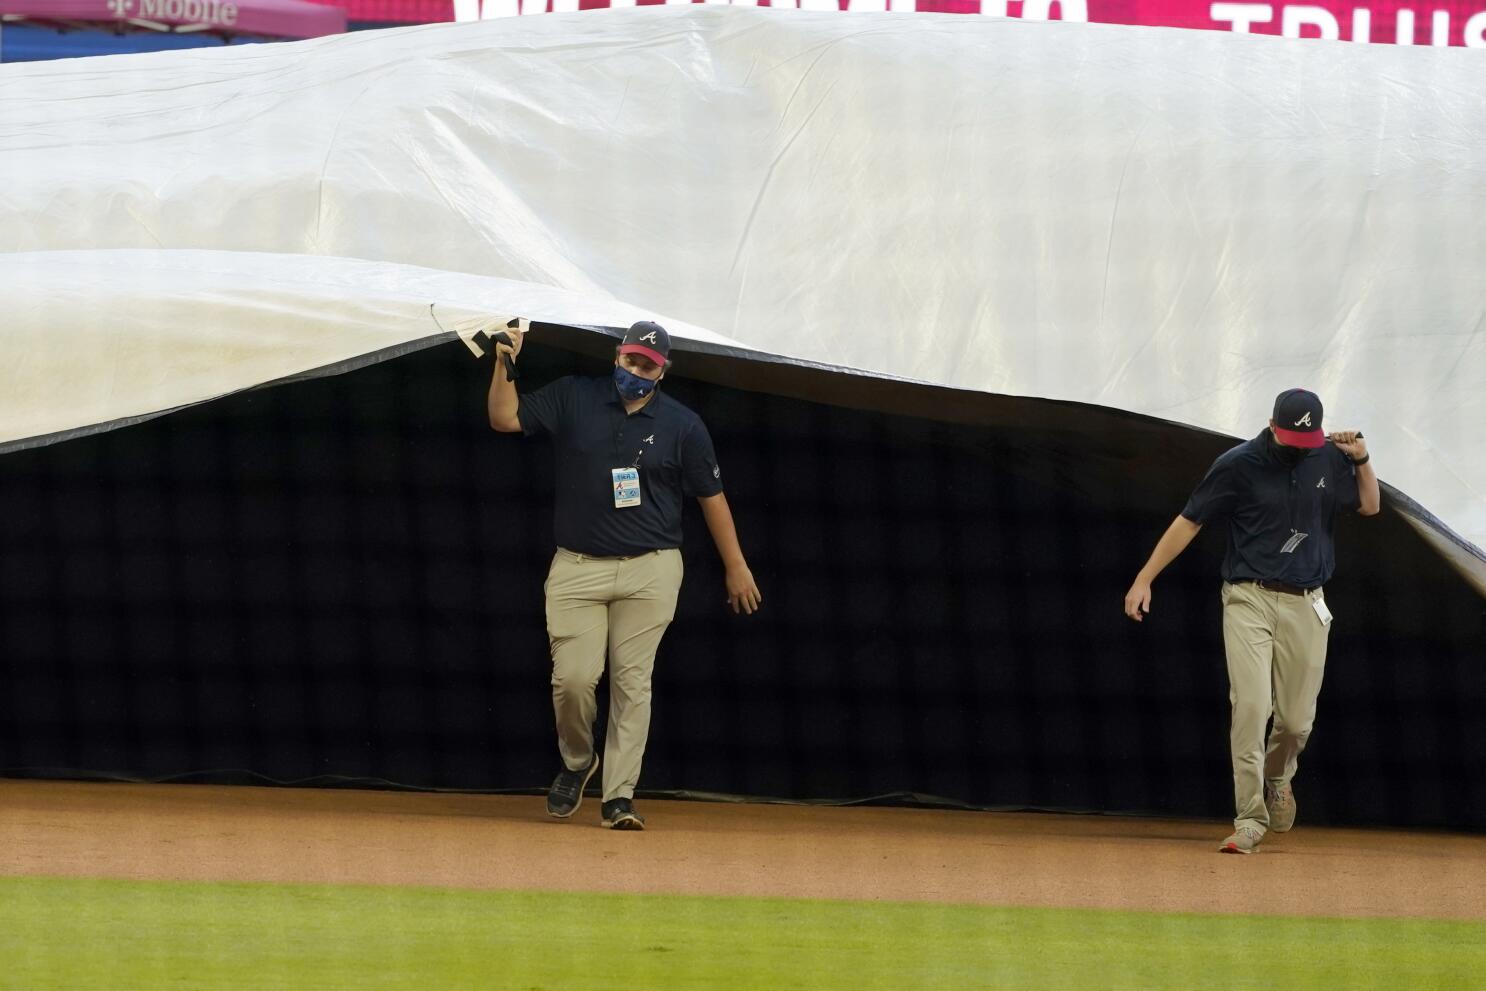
650,353
1300,438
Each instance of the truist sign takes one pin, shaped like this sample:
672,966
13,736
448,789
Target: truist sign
1391,22
214,12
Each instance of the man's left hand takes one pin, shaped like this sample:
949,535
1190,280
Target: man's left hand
1350,443
743,594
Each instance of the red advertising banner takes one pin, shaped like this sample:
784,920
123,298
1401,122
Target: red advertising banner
1390,22
396,11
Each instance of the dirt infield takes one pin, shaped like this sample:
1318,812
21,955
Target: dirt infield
204,833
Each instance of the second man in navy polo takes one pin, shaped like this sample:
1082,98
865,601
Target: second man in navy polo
1280,495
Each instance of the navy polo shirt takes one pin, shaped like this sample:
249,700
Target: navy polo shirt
1280,519
593,435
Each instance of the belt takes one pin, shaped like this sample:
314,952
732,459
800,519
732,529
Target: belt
1269,585
600,557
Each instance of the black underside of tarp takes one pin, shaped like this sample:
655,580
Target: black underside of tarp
338,581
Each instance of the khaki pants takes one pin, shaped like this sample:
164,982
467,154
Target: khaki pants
616,608
1276,646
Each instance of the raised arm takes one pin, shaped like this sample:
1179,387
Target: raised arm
1172,543
501,402
1351,443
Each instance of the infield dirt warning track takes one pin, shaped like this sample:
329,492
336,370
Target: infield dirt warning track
282,835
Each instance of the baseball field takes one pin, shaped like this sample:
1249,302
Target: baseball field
147,886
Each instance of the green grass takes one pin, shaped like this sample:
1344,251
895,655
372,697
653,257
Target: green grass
86,934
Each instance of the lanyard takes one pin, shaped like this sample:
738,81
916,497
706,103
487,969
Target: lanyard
624,418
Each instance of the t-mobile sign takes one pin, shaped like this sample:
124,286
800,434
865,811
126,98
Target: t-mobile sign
1391,22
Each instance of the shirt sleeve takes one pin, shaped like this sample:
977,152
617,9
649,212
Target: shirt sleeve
549,410
700,474
1344,477
1215,496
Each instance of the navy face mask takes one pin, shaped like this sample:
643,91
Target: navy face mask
1289,456
632,386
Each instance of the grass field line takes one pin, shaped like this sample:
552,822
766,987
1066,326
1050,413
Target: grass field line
82,934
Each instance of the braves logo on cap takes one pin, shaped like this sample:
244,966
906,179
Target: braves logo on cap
649,339
1301,410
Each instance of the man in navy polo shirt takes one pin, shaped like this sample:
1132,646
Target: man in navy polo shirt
1279,494
627,456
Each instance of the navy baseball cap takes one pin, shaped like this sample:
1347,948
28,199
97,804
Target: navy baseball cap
1297,418
648,338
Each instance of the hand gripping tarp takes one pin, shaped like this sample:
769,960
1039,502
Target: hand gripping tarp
1174,224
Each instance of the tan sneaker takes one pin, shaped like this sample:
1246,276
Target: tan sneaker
1245,839
1281,805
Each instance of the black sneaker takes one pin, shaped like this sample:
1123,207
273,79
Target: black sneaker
566,793
621,814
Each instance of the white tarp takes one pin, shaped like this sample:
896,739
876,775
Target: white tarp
1179,224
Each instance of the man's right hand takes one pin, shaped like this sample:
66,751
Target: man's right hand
1172,542
1138,600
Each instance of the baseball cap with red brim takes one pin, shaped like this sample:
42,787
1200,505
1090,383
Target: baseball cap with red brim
649,339
1297,418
